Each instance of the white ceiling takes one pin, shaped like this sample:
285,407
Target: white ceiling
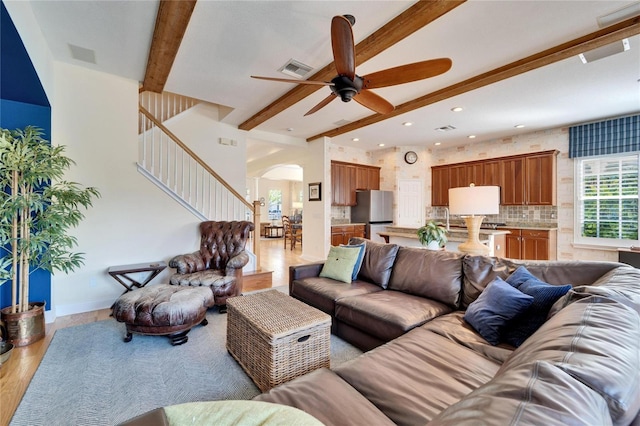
227,41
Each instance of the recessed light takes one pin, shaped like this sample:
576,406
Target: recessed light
355,139
290,129
407,123
519,126
438,143
472,136
456,109
380,144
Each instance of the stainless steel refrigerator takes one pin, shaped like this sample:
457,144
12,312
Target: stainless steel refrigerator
375,209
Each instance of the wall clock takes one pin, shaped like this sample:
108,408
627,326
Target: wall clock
410,157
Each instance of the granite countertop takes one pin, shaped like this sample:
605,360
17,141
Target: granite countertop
346,223
458,237
410,232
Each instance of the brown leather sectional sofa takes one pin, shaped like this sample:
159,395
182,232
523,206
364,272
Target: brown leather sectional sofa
426,365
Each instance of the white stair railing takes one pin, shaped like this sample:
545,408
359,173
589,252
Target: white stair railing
163,106
184,176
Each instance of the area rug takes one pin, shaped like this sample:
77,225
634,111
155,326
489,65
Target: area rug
89,376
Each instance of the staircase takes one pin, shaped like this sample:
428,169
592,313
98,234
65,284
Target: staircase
169,163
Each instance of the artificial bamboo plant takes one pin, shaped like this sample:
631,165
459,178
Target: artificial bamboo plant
36,211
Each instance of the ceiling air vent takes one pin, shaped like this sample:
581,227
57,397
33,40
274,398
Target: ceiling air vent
445,128
295,69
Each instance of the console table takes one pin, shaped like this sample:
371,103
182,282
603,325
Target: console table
279,230
120,274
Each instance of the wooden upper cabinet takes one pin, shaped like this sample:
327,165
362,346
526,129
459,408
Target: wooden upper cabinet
513,185
346,178
458,176
491,173
367,177
541,179
523,179
474,174
440,186
374,177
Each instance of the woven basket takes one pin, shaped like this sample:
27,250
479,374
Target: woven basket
276,338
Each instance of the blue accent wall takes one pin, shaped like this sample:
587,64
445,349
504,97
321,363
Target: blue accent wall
23,102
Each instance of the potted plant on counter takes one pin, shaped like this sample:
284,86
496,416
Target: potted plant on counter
433,235
37,209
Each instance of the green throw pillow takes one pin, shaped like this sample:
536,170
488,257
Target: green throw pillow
340,263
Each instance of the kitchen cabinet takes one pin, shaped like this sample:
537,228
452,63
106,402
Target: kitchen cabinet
346,178
512,187
440,186
528,179
367,178
540,179
491,173
340,234
531,244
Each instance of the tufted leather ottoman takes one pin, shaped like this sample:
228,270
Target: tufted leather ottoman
164,310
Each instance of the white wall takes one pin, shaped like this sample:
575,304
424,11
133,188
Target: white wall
96,116
316,231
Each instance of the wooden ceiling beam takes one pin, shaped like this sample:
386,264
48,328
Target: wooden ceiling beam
171,23
412,19
611,34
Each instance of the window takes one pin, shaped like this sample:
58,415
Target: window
607,200
275,204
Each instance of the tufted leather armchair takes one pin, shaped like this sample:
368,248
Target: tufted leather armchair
219,262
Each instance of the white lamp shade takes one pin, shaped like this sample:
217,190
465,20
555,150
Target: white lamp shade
474,200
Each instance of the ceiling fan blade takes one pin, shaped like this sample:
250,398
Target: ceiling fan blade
407,73
344,56
288,80
322,104
373,102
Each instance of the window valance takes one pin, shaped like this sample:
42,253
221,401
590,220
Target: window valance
605,137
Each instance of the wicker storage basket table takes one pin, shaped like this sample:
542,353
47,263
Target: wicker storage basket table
276,338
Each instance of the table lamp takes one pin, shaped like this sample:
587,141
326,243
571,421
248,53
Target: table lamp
472,203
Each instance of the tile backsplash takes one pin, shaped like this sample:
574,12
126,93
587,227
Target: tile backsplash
510,214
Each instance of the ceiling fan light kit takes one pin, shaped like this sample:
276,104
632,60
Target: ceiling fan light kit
347,85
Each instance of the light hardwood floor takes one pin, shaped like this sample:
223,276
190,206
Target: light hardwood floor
17,372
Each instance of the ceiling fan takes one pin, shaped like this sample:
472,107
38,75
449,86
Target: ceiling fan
348,85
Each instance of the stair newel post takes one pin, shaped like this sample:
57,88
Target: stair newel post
256,233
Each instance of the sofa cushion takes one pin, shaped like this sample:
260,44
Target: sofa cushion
433,274
416,376
620,284
544,296
479,271
326,397
388,314
534,394
455,328
339,264
492,311
361,249
595,340
378,261
322,293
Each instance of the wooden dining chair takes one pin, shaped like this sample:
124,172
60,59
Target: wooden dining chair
291,234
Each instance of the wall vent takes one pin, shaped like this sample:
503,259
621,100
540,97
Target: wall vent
295,69
82,54
445,128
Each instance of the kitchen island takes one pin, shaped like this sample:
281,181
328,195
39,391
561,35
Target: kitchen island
495,239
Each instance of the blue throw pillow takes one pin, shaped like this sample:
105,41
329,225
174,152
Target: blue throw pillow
544,296
358,265
498,304
520,276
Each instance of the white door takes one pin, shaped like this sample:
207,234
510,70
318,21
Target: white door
410,203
